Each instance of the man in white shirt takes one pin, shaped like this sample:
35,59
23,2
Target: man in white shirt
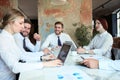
24,35
57,38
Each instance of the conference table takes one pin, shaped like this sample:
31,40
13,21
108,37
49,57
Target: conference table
71,70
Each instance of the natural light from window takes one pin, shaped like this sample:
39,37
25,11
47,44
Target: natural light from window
118,23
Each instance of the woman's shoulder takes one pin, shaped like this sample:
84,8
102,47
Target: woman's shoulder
108,34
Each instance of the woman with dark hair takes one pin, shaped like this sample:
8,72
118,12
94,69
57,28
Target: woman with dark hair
10,54
105,40
101,44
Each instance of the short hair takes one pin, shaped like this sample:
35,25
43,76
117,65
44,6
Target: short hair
104,23
58,22
27,21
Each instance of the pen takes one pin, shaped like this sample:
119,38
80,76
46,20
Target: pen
82,57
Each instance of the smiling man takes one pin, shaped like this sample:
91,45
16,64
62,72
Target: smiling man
23,40
57,38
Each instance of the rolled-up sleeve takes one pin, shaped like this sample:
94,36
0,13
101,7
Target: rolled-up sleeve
21,67
31,57
33,48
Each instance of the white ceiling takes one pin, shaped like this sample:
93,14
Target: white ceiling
100,7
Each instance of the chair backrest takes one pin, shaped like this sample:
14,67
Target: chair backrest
116,42
115,53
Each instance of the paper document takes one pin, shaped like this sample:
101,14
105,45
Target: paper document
67,73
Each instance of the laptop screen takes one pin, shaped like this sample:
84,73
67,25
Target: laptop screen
73,45
64,52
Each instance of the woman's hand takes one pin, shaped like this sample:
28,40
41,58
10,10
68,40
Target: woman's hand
48,57
46,51
52,63
81,50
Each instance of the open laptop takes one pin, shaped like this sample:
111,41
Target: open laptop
74,46
64,51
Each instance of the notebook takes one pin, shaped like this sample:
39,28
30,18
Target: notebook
64,52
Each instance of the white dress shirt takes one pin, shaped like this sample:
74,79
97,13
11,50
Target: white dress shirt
109,64
19,40
52,40
101,44
10,54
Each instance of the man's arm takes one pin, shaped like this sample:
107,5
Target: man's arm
45,43
33,48
109,64
102,64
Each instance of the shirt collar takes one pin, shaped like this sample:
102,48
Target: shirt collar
102,34
59,34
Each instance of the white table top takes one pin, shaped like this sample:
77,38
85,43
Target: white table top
71,71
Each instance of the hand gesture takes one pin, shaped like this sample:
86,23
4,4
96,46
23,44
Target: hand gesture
36,37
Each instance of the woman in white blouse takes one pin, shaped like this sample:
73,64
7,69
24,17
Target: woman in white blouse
10,54
101,44
102,63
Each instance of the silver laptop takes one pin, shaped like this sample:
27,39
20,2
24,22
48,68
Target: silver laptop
64,52
73,45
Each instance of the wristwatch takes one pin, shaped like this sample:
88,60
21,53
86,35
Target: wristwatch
41,58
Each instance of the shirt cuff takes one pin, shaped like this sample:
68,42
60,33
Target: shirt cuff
85,47
97,52
42,53
103,64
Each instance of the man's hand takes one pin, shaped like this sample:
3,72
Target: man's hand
56,48
46,51
36,37
91,63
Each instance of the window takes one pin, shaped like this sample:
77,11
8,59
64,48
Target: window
118,23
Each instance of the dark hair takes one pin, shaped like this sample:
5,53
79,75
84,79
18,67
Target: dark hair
58,22
104,23
11,15
27,21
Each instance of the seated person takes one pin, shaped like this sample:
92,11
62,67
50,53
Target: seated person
101,44
10,54
25,44
23,41
56,39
